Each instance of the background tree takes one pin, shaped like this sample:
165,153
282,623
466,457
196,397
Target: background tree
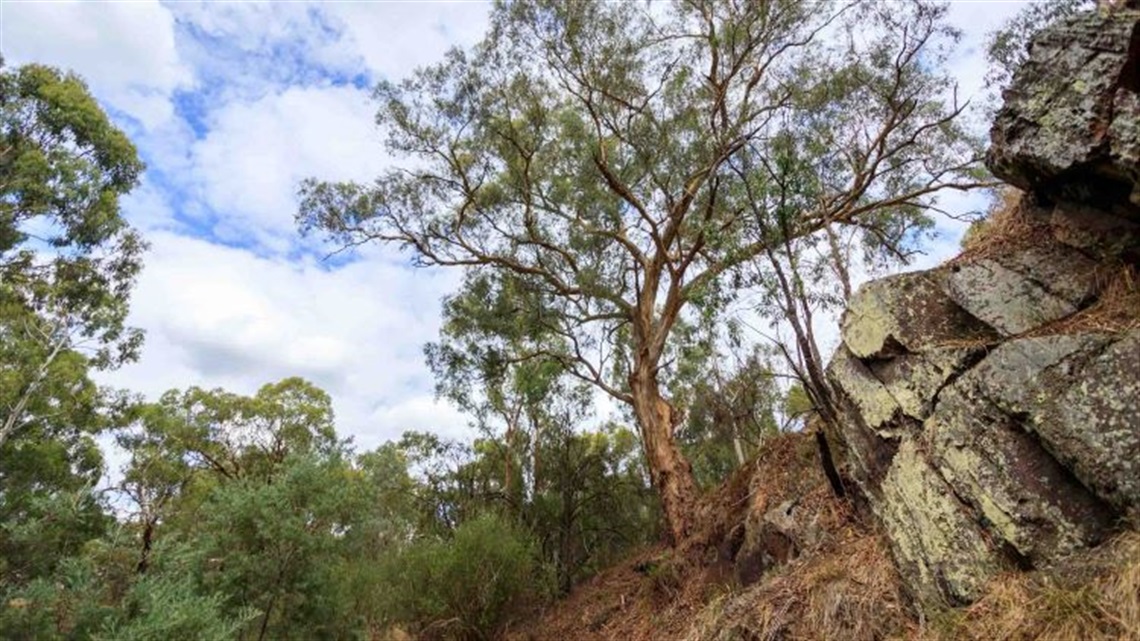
731,410
595,151
485,363
67,262
67,257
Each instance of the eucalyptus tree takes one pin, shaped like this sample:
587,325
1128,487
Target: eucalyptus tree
594,151
68,258
485,363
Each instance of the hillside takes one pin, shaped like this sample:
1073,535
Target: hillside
990,431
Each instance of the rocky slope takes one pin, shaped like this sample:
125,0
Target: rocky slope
990,419
992,405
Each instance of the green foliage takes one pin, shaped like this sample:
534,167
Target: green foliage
44,526
170,606
797,403
66,253
466,586
67,262
591,503
276,546
730,414
70,605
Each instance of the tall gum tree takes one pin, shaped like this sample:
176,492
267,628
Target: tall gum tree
68,258
598,153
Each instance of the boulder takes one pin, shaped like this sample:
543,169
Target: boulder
1023,495
1070,124
989,421
905,313
1103,235
1019,291
1093,426
937,544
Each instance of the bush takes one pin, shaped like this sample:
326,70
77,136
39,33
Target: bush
466,587
158,608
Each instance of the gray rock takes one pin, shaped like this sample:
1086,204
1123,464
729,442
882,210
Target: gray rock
1070,124
905,313
1094,425
976,449
1017,292
1103,234
1025,497
914,381
940,549
876,407
1022,376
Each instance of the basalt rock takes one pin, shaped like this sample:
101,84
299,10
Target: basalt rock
987,426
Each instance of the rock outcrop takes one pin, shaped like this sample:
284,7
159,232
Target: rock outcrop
991,407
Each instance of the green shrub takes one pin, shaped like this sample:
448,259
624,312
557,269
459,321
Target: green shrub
67,606
466,587
164,607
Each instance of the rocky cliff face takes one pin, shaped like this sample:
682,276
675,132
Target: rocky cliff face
991,407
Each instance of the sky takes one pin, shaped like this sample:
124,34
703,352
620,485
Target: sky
231,104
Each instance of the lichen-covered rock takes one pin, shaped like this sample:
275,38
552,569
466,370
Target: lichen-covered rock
872,423
1023,376
1101,234
1094,425
906,385
876,406
937,544
1070,124
904,313
1019,291
915,380
986,421
1026,498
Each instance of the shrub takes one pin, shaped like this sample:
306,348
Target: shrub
466,587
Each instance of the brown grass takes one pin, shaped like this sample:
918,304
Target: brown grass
659,593
1009,225
850,591
845,587
1095,596
1012,222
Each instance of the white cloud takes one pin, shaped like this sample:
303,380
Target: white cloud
125,50
421,413
218,316
396,37
248,166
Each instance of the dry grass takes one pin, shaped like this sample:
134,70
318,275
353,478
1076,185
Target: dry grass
1093,597
1116,309
850,592
659,593
1009,225
845,587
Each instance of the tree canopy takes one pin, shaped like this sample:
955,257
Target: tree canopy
621,160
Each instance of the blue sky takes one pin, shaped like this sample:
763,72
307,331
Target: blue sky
231,104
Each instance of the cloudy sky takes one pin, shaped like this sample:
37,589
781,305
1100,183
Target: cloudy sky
230,105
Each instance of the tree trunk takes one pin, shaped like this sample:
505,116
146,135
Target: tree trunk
147,544
670,472
737,446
